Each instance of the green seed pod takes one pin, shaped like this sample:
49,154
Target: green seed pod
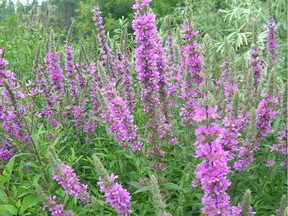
235,104
104,78
283,206
252,129
272,82
51,43
37,56
246,203
179,211
41,194
100,167
68,38
54,160
249,89
158,203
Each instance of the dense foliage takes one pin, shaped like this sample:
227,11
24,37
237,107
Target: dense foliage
182,111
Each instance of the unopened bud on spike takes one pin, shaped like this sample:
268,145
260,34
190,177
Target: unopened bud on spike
100,168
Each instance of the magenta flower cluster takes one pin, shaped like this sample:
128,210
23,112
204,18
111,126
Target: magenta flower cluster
66,177
55,72
57,209
212,170
146,55
116,195
119,119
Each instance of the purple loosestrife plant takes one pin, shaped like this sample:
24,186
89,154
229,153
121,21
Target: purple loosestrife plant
107,57
193,62
70,71
271,40
127,81
55,73
173,70
12,111
255,67
147,60
212,170
281,146
229,86
146,55
51,204
6,149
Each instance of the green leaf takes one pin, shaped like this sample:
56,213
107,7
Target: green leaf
172,186
9,208
8,169
142,189
29,201
3,196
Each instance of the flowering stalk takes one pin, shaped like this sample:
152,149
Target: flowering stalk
70,71
265,113
66,177
255,67
107,57
146,61
127,81
212,170
281,146
193,62
116,114
54,70
271,40
158,202
50,204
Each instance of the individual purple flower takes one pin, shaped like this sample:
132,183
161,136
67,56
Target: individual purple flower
66,177
271,39
116,195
